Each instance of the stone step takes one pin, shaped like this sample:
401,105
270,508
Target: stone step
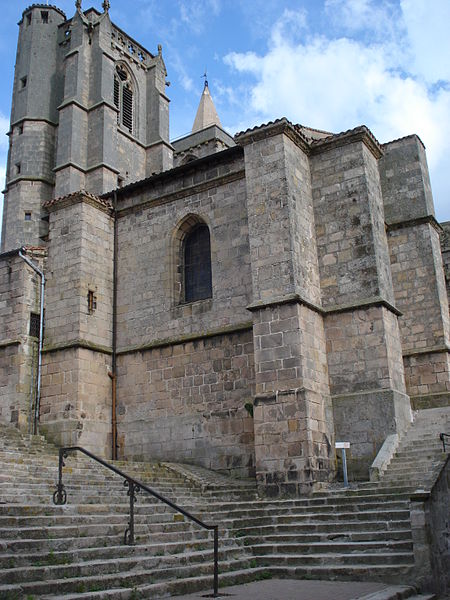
67,543
100,552
216,514
119,578
331,528
335,559
169,588
331,537
384,573
101,567
332,547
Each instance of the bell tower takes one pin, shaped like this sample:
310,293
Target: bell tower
37,93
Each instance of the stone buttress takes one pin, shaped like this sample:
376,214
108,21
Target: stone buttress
294,437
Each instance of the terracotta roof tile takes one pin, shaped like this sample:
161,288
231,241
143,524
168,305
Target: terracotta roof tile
98,199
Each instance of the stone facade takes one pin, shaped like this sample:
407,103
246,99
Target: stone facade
68,130
327,315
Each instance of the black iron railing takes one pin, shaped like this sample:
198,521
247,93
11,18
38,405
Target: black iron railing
133,487
442,437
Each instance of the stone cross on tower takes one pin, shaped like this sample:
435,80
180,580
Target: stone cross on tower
106,5
78,4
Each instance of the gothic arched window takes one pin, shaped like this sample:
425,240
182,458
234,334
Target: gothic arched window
123,98
197,264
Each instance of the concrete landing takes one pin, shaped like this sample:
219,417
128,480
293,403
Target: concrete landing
289,589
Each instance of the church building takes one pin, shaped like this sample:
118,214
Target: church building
240,303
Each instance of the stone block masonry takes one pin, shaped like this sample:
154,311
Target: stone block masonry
76,398
19,293
190,402
290,355
293,447
296,275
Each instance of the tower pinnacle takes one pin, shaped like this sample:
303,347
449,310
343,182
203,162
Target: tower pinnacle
206,112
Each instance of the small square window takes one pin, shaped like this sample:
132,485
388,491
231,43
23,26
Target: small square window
27,216
44,16
23,82
35,323
28,19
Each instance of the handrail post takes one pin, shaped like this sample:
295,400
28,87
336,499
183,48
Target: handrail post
60,495
134,486
216,561
128,537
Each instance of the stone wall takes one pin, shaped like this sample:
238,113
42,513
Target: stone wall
20,296
76,399
293,422
445,248
424,326
430,528
440,531
150,307
190,402
185,400
366,375
76,395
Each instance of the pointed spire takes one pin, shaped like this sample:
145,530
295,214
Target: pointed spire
206,112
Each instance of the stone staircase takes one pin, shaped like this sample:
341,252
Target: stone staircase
419,455
77,550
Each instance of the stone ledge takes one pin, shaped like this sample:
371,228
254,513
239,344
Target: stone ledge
77,197
324,311
420,351
427,219
425,401
85,344
272,397
10,342
190,337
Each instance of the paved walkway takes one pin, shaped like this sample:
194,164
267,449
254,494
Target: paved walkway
289,589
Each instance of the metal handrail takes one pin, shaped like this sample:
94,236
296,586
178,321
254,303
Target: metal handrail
134,486
442,437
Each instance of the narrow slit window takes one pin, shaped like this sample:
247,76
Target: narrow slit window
34,325
197,265
28,19
18,168
23,82
91,301
27,216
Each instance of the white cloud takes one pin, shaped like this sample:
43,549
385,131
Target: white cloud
377,17
427,29
339,83
194,13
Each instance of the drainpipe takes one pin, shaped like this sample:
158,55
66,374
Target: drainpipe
37,406
113,373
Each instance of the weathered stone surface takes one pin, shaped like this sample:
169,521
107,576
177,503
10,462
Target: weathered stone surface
323,299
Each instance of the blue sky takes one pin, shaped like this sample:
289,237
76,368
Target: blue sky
329,64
